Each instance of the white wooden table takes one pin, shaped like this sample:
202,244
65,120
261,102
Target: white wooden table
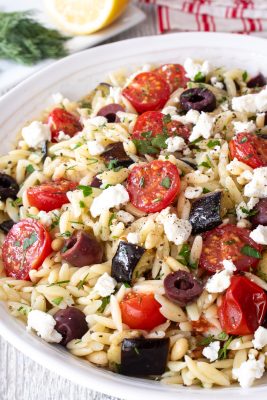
20,377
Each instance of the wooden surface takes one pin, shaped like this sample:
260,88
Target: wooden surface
20,377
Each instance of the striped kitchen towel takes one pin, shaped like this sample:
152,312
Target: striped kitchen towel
239,16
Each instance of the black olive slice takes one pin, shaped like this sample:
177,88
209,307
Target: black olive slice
182,288
8,187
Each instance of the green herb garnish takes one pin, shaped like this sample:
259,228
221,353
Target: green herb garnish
113,166
250,251
249,213
58,283
87,190
28,242
167,118
222,353
166,182
245,76
112,217
184,254
206,190
142,182
126,284
29,169
57,300
26,41
82,204
82,282
199,77
105,302
212,143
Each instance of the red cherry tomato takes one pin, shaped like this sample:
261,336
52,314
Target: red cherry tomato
61,120
147,92
157,123
50,195
228,242
141,311
174,75
26,246
249,149
153,186
243,307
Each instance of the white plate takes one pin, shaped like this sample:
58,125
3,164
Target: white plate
11,73
74,77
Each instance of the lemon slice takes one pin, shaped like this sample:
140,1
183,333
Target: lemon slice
81,17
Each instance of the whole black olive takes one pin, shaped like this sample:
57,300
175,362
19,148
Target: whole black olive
257,81
182,288
82,249
5,226
8,187
260,213
200,99
71,324
110,112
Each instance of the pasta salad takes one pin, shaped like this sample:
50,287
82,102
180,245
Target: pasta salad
134,224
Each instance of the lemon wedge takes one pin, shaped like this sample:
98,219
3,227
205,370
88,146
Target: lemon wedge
81,17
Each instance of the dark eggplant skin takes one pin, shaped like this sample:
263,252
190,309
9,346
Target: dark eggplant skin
205,212
141,357
115,151
5,226
125,260
44,150
8,187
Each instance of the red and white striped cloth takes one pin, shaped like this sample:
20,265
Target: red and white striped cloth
239,16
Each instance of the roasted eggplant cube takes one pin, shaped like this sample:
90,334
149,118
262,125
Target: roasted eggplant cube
125,261
205,212
144,356
116,152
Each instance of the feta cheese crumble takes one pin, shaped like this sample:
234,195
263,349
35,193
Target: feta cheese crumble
203,127
62,136
44,325
193,68
259,235
211,351
105,285
260,338
45,218
251,103
97,121
220,281
249,371
177,230
95,148
111,197
216,83
133,237
191,117
171,110
257,187
193,192
36,134
240,127
175,143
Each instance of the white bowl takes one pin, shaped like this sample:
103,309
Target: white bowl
74,76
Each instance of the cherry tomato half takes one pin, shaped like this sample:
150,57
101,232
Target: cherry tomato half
158,123
141,311
147,92
50,195
249,149
228,242
26,246
173,74
153,186
62,120
243,307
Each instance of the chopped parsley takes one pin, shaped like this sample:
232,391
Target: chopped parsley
250,251
212,143
199,77
29,169
245,76
249,213
222,354
111,218
82,204
184,254
105,302
57,300
166,182
126,284
87,190
82,282
29,241
151,145
58,283
206,190
167,118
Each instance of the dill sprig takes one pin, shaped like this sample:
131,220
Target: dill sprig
26,41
